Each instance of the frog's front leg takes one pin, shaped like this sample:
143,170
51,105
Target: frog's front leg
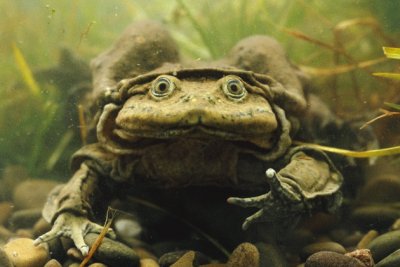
69,208
304,185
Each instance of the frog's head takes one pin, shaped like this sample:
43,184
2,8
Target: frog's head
207,103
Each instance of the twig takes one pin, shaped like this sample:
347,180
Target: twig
100,238
386,113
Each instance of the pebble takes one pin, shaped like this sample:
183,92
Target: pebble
127,227
12,176
41,227
367,238
27,233
187,260
384,245
53,263
25,218
23,253
97,264
385,189
363,255
5,211
4,259
246,254
32,194
75,254
377,216
332,259
5,234
393,260
148,263
113,253
322,246
145,254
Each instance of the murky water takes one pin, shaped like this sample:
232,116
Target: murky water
185,138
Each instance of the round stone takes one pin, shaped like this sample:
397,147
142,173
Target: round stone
322,246
32,194
23,253
384,245
148,263
4,259
53,263
332,259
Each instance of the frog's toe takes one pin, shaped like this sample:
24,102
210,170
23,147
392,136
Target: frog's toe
256,217
249,202
278,190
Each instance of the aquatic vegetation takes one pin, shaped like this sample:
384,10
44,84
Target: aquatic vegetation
39,124
393,53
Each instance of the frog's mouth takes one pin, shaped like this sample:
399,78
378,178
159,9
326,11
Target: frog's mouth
116,139
194,132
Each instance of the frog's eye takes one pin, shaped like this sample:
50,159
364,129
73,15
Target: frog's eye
234,88
162,87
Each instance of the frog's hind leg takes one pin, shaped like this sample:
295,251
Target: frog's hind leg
142,47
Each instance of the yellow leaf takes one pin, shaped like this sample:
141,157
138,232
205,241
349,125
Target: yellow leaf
25,70
389,75
354,154
392,52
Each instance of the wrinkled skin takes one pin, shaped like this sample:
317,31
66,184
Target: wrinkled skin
225,124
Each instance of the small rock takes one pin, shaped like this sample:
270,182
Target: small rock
148,263
383,189
25,218
384,245
23,253
214,265
26,233
5,211
98,264
393,260
113,253
380,216
187,260
367,238
352,240
246,254
363,255
32,194
332,259
4,259
127,227
5,234
172,257
322,246
41,227
75,254
53,263
145,254
12,176
396,225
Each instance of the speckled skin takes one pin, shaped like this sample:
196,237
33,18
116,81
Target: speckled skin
169,126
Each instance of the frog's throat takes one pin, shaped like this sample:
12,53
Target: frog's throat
123,143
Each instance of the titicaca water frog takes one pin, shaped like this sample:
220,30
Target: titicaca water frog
168,125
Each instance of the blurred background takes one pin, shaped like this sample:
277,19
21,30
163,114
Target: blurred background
46,47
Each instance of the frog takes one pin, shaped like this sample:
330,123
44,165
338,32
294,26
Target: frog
167,124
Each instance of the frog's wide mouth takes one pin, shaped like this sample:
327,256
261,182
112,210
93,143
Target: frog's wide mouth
193,132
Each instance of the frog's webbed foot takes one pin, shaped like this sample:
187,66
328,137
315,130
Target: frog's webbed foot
74,227
280,204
